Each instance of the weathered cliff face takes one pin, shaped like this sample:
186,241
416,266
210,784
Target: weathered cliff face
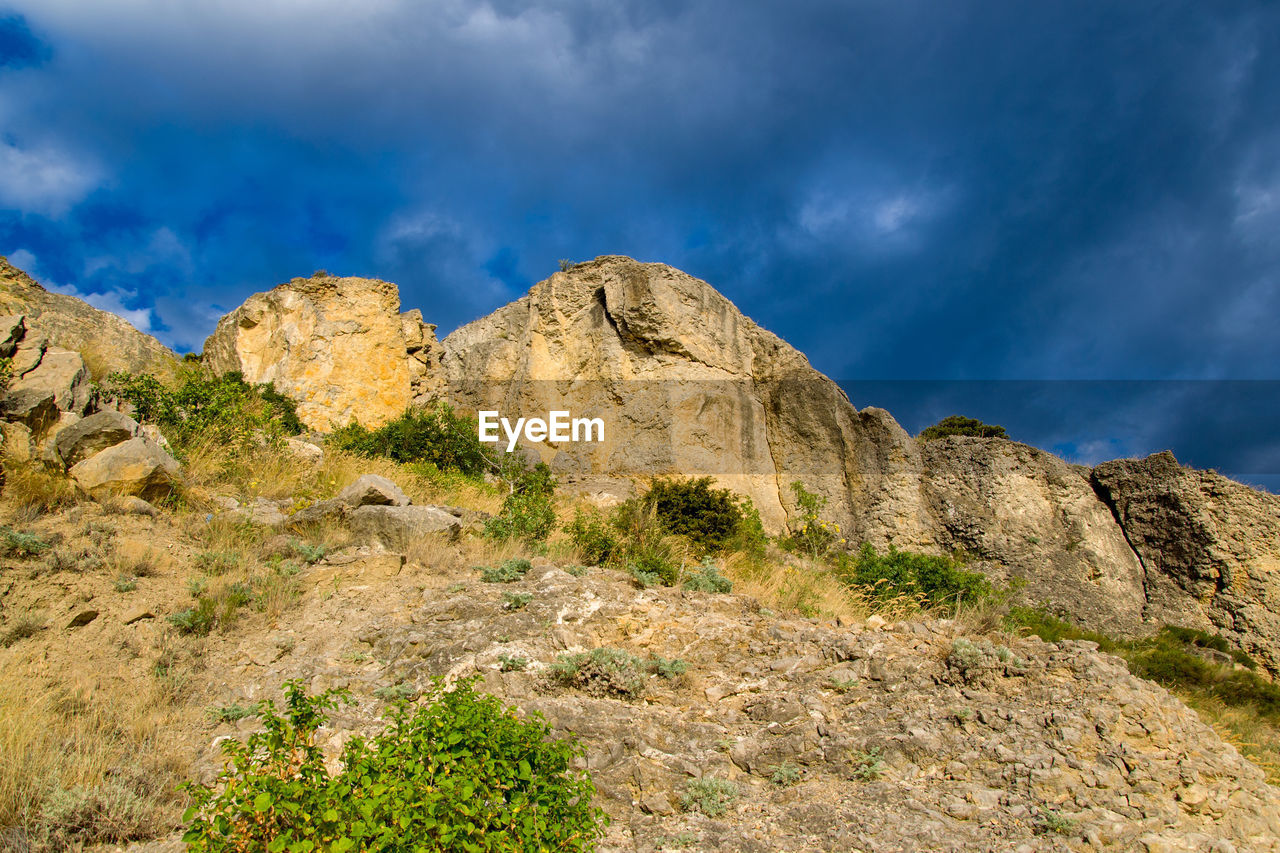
686,385
107,342
1032,516
339,346
1211,548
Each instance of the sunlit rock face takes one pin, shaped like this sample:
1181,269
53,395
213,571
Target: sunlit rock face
339,346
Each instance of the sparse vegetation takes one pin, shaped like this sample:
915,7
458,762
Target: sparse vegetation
512,663
20,629
230,713
600,672
785,775
509,572
516,600
868,765
961,425
460,772
709,795
933,580
16,543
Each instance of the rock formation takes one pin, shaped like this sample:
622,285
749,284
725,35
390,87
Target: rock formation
1210,547
689,386
106,342
339,346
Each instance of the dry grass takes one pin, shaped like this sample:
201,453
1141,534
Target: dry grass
272,472
78,768
32,490
1256,737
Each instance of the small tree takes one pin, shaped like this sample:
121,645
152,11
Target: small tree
960,425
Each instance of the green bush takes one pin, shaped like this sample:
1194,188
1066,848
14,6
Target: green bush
707,578
225,409
592,533
528,512
960,425
812,535
437,436
712,519
460,772
710,796
932,579
509,572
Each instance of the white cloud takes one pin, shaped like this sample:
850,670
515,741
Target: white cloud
162,248
112,301
42,180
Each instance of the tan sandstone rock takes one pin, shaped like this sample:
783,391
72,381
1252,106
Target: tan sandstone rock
135,467
339,346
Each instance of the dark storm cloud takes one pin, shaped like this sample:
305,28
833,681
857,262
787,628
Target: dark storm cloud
994,190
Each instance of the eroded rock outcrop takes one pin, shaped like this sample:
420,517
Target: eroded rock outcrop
339,346
1210,545
106,342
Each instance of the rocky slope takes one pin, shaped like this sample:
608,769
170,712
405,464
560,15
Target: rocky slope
339,346
907,736
107,342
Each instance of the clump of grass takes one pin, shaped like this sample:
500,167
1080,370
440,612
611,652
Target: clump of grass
125,583
34,490
1052,822
17,543
22,628
709,795
217,563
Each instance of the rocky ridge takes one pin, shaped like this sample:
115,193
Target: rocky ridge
108,342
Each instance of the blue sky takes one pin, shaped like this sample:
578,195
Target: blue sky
1058,190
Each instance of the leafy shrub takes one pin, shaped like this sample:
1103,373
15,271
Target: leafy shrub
935,580
707,578
16,543
709,795
225,409
436,435
960,425
652,567
460,772
868,766
527,513
516,600
600,672
198,619
509,572
712,519
593,535
811,535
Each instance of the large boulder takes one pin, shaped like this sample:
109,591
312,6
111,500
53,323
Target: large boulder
1210,546
372,490
137,467
88,436
397,527
12,330
339,346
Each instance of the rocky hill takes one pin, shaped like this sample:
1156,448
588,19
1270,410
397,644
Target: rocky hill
106,342
688,385
146,603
